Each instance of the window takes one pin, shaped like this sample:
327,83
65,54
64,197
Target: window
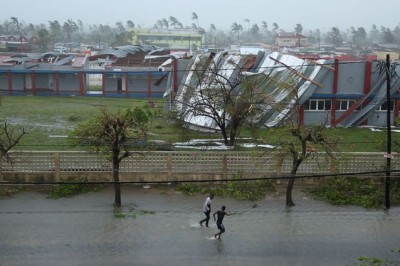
345,104
317,105
383,106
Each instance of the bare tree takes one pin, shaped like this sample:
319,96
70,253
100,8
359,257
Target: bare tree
229,103
9,139
301,143
113,134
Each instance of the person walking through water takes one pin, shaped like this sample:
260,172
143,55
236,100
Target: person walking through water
207,210
221,214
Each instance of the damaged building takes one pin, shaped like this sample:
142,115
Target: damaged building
121,71
337,93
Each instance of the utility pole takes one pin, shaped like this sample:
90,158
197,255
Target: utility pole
389,135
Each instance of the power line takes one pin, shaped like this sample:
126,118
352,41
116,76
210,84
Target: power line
283,177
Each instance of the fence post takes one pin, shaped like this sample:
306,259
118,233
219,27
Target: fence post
279,166
224,167
169,166
57,166
1,171
333,165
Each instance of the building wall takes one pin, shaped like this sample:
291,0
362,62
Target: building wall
168,38
17,81
351,78
381,55
140,84
350,88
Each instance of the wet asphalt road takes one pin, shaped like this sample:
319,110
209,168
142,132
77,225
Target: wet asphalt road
160,227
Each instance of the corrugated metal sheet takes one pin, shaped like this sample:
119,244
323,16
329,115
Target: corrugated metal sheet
275,67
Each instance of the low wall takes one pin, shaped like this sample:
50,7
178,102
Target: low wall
51,167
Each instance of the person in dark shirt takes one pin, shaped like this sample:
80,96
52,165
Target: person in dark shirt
220,217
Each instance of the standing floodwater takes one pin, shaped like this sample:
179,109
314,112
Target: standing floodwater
161,227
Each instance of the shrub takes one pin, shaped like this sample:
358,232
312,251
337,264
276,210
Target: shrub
350,191
68,190
243,190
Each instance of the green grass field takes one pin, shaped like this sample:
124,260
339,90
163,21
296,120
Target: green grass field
47,120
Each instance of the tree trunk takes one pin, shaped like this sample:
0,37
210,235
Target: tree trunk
289,189
290,184
225,136
117,185
233,132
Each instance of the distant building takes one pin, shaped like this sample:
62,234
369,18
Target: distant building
381,50
121,71
14,43
177,39
290,39
129,56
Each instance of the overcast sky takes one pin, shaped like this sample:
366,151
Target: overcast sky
312,14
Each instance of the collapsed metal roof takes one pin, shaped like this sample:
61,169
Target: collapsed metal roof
278,67
307,76
35,59
123,51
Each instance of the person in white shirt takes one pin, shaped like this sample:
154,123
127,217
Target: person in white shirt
207,210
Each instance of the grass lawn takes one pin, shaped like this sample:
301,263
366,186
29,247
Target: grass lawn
49,119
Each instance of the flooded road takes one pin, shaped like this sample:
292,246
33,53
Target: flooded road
161,227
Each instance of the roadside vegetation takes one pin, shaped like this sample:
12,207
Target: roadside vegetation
364,192
75,188
242,190
10,191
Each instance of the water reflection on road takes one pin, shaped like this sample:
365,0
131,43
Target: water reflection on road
83,230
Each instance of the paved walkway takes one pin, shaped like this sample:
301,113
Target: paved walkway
83,230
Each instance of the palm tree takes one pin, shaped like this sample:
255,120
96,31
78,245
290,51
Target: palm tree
318,33
120,27
335,32
298,29
236,28
213,35
195,17
264,27
130,24
158,24
174,21
69,27
165,23
31,29
17,24
44,39
55,30
248,23
275,27
254,32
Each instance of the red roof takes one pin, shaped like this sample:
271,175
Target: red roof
79,61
